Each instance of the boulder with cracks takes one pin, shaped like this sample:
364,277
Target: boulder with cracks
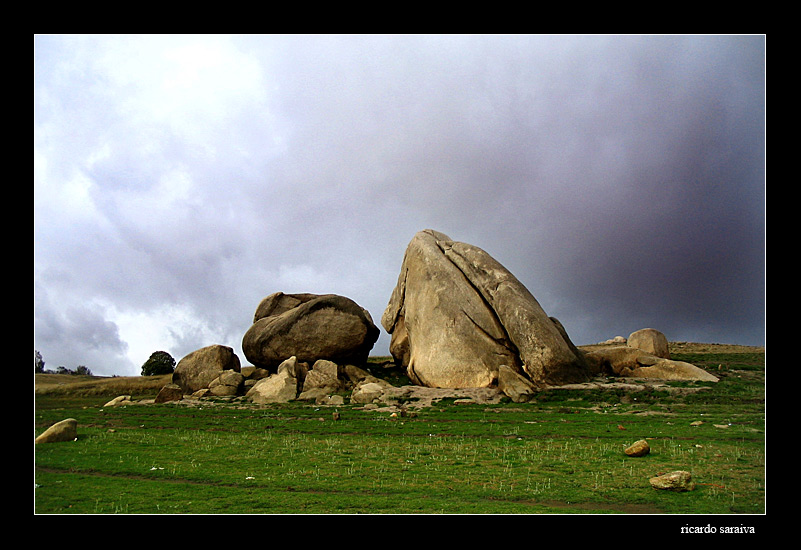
456,316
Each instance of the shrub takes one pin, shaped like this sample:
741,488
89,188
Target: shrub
159,362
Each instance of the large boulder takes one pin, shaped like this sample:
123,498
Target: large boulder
309,327
199,368
456,315
651,341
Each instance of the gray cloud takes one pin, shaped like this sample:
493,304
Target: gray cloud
180,179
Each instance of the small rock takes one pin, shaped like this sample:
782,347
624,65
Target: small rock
355,374
334,400
66,430
319,395
277,388
119,400
638,448
228,384
679,480
517,387
365,393
170,392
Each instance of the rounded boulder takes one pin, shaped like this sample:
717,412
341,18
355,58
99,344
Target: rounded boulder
199,368
309,327
651,341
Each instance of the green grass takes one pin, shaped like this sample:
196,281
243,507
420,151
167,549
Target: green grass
562,454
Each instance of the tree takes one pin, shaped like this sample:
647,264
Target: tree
160,362
83,370
38,362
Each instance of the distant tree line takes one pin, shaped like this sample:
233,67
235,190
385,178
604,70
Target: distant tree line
159,362
39,366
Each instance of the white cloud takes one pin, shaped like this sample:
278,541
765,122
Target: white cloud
178,330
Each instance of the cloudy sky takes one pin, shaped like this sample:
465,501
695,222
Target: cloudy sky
180,179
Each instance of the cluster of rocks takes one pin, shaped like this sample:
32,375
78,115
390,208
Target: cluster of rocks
458,320
645,354
322,383
214,371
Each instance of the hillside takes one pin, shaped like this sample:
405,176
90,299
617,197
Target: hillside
77,385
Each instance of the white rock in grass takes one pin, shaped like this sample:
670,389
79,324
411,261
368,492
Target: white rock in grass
66,430
679,480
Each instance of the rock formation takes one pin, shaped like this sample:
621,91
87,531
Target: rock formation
631,362
309,327
199,368
456,316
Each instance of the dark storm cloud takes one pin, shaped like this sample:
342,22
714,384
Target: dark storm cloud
683,246
179,180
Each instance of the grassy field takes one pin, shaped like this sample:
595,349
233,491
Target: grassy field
559,454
